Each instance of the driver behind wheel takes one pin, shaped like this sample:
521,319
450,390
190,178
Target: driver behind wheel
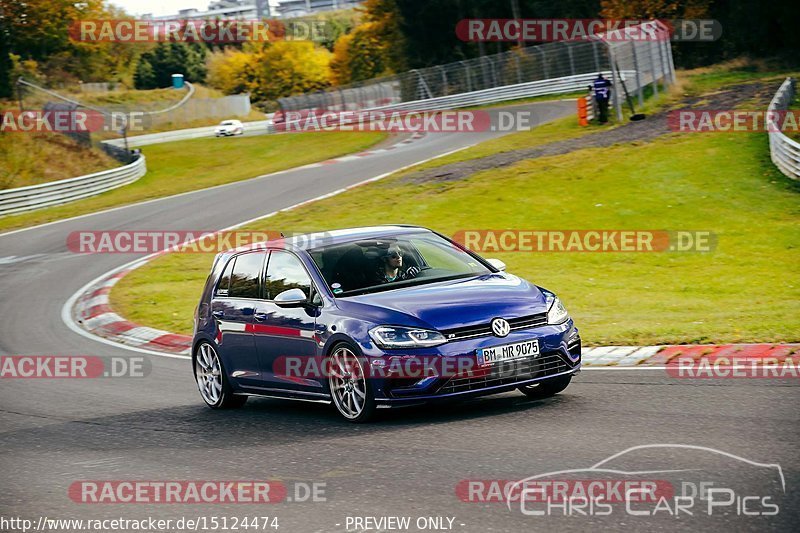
391,269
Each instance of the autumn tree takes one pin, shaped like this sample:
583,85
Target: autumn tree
374,48
270,70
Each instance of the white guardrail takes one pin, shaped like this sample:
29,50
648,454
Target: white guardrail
784,151
566,84
255,127
63,191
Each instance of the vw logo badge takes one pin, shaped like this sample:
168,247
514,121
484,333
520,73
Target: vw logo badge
501,327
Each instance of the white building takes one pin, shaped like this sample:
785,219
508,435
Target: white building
299,8
248,9
222,9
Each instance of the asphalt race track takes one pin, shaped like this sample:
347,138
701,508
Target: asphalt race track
410,463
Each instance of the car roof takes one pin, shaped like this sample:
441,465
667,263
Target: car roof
308,241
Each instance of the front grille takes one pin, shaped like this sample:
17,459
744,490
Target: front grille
508,372
481,330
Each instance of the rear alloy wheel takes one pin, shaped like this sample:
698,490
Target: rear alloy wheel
547,388
348,385
212,381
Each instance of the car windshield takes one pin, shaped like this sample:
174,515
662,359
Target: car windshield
227,123
371,265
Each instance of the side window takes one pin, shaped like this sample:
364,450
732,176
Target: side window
246,273
284,272
225,279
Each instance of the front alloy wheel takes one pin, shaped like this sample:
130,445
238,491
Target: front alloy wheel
348,385
211,380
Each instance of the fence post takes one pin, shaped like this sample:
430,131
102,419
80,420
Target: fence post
444,81
544,61
596,56
671,61
571,60
663,64
468,76
638,75
670,76
616,82
653,68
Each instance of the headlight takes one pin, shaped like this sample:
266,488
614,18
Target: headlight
400,337
557,313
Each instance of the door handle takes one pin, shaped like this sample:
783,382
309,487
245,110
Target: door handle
218,314
260,316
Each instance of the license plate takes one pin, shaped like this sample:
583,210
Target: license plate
508,352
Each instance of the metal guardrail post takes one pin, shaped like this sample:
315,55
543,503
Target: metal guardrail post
663,64
468,75
616,81
544,61
596,56
571,60
639,90
653,67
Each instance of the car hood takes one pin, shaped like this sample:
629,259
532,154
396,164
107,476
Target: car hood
449,304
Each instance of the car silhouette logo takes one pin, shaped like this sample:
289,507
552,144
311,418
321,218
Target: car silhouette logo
501,327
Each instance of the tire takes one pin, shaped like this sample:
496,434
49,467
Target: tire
212,380
351,395
547,388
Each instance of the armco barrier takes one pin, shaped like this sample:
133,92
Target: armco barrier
63,191
494,95
784,151
261,126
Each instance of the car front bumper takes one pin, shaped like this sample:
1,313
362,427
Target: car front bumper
559,355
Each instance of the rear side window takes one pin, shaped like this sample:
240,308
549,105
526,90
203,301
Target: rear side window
245,276
225,280
284,272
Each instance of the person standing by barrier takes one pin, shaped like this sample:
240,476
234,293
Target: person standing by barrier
602,92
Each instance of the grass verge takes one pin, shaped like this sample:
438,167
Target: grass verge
747,289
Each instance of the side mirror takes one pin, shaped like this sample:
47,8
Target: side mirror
291,298
499,265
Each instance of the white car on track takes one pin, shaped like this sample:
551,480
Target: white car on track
229,127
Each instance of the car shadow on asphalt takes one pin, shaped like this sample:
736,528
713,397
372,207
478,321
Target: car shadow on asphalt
264,420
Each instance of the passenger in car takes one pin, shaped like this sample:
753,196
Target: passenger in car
390,267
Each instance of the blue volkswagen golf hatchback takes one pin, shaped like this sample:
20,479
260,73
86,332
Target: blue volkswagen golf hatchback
368,318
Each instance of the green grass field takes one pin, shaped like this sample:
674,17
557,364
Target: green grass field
182,166
746,290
